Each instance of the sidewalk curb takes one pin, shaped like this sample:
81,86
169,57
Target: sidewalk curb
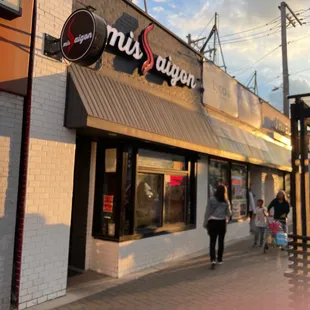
85,290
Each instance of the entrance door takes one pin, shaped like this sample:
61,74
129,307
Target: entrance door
78,231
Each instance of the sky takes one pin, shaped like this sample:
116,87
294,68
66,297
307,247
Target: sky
256,48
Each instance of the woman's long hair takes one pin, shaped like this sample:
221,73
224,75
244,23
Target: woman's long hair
284,195
221,194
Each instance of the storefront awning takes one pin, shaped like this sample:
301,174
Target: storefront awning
96,101
255,149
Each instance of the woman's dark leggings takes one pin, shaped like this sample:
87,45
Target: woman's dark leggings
217,229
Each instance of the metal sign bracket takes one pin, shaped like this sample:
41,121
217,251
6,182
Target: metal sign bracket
51,47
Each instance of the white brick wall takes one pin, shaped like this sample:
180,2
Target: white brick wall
11,110
50,174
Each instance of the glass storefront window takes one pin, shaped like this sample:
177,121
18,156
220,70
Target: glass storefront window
218,174
238,191
142,192
162,197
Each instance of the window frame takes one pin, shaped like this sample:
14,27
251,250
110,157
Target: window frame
191,161
163,173
191,173
230,164
246,166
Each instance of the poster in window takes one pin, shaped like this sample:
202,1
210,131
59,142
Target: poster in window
111,229
110,160
108,203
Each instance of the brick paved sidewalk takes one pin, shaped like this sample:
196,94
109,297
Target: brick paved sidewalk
248,279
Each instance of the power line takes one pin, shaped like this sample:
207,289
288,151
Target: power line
299,39
206,27
256,38
250,66
255,35
280,76
252,29
301,71
256,62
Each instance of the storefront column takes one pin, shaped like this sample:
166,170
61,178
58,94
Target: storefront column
263,178
91,197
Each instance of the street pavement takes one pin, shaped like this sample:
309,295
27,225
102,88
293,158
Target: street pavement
248,280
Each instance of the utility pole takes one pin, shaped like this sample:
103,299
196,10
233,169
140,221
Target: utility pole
253,80
215,33
202,49
286,89
284,17
255,84
145,6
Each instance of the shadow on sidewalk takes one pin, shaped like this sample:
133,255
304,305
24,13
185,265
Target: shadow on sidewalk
239,259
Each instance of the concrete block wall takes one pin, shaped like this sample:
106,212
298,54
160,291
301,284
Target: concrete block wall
50,174
11,113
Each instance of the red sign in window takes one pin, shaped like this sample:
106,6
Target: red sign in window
108,203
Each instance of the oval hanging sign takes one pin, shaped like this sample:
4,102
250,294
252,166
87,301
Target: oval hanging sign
83,37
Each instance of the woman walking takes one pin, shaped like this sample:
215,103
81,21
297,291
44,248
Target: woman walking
217,214
280,208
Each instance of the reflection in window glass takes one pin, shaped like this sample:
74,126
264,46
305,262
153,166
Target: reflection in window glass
128,205
288,184
218,174
159,160
175,202
239,191
149,201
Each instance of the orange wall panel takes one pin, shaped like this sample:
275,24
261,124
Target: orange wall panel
15,38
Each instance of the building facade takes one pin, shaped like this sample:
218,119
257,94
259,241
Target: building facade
125,153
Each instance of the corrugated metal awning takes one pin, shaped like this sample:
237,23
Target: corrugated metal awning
101,102
237,140
106,99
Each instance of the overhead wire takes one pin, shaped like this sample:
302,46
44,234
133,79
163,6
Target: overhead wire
253,35
243,70
255,38
205,28
298,39
252,29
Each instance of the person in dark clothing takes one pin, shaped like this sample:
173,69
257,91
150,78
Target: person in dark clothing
217,213
281,209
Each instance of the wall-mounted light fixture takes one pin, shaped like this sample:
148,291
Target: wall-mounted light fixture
10,9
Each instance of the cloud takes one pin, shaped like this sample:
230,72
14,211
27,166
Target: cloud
137,2
158,9
158,1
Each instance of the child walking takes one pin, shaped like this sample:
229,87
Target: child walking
260,223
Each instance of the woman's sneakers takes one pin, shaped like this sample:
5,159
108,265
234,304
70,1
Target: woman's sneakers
214,263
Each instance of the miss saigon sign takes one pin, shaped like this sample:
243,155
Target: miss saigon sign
85,36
